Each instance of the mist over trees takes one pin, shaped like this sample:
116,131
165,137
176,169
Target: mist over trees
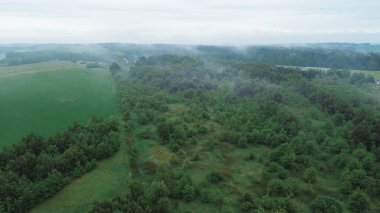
215,129
310,126
342,56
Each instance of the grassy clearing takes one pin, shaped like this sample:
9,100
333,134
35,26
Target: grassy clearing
109,179
51,97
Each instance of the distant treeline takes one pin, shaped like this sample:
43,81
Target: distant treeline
16,58
36,168
329,56
360,47
295,56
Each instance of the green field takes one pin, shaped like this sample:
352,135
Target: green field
375,74
45,98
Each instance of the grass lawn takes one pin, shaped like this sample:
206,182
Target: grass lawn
47,100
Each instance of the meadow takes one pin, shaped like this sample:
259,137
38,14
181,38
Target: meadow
46,98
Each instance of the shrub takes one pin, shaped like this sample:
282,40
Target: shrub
359,202
282,188
216,177
325,204
206,195
188,193
251,156
247,202
284,155
310,175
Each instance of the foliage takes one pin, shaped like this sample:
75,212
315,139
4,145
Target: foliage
221,131
310,175
115,68
37,168
325,204
263,127
284,155
359,202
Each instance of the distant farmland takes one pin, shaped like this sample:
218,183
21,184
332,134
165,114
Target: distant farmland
47,97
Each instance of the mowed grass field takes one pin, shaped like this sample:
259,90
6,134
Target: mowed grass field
46,98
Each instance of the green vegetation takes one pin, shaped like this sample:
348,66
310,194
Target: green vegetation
108,179
215,131
359,202
37,168
297,56
247,137
46,98
322,204
375,74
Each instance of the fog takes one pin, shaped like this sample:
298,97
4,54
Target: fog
189,21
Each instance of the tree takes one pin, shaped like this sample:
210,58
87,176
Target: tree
284,155
281,188
359,202
165,130
310,175
247,202
158,190
206,195
136,190
37,168
188,192
325,204
277,204
215,177
115,68
356,179
163,205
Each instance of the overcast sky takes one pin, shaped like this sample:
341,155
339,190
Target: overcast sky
189,21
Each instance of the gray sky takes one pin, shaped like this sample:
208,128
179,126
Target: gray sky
189,21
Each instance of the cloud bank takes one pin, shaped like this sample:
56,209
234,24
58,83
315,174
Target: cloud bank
189,21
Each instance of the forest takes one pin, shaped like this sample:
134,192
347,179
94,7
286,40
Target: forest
213,129
248,137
